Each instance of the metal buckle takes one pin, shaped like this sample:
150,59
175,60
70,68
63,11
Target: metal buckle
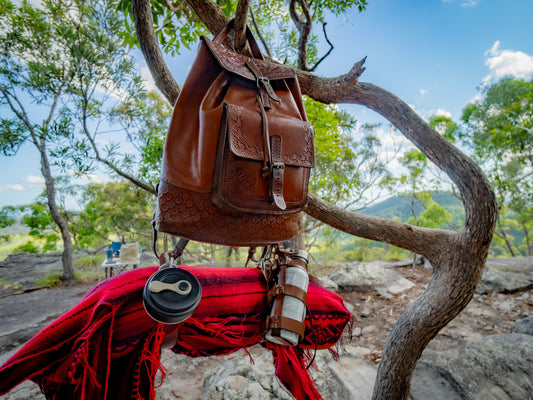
261,80
278,165
280,289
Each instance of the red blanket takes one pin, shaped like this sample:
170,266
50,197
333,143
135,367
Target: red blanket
107,347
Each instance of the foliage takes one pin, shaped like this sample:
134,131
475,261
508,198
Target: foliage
433,216
112,210
28,247
50,280
499,131
176,26
43,232
7,216
347,156
445,126
87,276
152,135
6,285
174,29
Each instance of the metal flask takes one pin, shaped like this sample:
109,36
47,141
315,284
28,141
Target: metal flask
292,307
171,295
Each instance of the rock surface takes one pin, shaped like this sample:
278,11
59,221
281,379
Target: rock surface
496,367
507,275
523,325
366,277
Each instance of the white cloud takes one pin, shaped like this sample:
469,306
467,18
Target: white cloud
507,63
33,180
465,3
92,178
423,92
469,3
98,178
443,112
12,188
149,82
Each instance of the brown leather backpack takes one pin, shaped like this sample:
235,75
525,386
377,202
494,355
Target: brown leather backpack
238,153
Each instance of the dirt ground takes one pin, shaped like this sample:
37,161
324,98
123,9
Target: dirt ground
375,315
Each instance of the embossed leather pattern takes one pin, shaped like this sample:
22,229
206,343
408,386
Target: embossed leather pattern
193,215
238,153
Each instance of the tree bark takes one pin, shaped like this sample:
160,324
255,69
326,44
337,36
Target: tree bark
66,258
40,143
458,258
529,245
164,81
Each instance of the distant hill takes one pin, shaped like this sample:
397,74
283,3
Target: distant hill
399,207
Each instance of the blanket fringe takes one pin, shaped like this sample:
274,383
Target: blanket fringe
290,366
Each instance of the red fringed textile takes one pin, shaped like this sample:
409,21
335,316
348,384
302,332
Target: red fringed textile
107,347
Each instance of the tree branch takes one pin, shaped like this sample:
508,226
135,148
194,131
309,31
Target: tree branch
303,24
413,238
174,8
331,47
476,193
258,33
164,81
209,13
239,24
105,161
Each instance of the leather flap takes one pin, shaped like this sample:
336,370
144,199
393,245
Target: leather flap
236,63
245,133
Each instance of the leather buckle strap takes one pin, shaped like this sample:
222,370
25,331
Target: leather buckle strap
281,322
263,83
286,290
277,171
272,164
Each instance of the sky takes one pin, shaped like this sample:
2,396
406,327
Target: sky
433,54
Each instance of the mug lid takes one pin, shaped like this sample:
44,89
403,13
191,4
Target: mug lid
171,295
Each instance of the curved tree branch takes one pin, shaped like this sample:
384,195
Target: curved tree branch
209,13
458,258
413,238
239,25
258,33
331,47
304,25
164,80
174,8
105,161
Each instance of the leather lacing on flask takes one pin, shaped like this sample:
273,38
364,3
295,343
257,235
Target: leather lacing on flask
287,299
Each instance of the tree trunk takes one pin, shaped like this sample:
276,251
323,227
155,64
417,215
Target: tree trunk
66,258
458,258
529,245
503,235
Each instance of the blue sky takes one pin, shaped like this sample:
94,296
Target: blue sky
433,54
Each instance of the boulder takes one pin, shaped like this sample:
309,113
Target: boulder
497,367
367,277
241,379
523,325
507,275
351,377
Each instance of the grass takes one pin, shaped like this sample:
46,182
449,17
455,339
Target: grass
89,262
6,285
50,280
